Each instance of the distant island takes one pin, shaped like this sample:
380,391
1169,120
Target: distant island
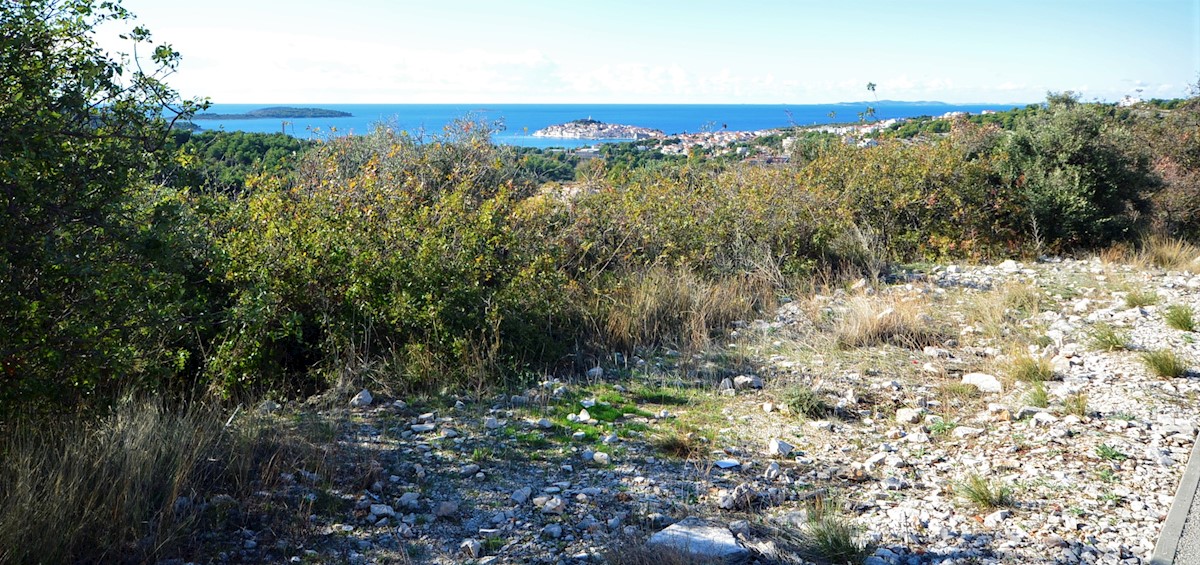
595,129
276,112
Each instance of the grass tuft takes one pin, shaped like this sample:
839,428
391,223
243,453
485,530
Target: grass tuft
984,493
1038,396
1138,298
1181,317
1033,369
1077,404
872,321
834,539
1171,254
1104,337
1165,363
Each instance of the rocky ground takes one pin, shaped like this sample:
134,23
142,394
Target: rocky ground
795,417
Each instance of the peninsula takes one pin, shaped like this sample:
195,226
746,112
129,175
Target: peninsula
276,112
595,129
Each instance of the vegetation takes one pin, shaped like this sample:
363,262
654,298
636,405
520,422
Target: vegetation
1181,317
1106,338
231,263
1165,363
983,493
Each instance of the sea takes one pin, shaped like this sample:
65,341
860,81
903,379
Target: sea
514,124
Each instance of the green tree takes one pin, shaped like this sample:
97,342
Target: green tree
81,301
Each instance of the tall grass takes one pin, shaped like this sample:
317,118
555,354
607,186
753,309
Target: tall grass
874,321
105,490
1173,254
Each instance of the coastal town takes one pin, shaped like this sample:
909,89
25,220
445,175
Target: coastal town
723,141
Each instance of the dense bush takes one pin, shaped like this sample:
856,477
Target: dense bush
388,255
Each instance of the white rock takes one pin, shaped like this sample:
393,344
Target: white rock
545,424
727,463
363,398
601,458
779,447
491,423
700,540
967,432
983,381
555,505
908,416
471,548
772,471
747,381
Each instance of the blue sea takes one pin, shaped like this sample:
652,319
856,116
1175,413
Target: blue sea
517,122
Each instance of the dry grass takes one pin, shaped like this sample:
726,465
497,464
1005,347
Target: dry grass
88,489
1077,404
998,312
1171,254
1181,317
876,321
675,307
1104,337
1031,369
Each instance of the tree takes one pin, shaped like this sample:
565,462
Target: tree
80,298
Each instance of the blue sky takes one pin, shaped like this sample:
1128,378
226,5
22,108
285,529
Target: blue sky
667,51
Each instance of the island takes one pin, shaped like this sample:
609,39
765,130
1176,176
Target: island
284,112
595,129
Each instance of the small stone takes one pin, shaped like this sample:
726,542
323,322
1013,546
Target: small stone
555,505
362,399
584,415
983,381
422,428
779,447
768,407
410,499
446,509
967,432
894,483
601,458
727,463
995,518
491,423
595,372
908,416
552,531
471,548
382,510
469,470
521,495
747,381
772,471
545,424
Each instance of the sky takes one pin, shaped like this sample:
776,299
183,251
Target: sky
673,52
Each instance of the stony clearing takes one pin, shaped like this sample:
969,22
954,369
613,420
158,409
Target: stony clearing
952,414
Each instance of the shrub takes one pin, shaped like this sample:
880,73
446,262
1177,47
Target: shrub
805,401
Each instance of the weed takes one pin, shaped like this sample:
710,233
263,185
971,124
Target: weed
942,427
834,539
1031,369
685,445
983,493
1181,317
1138,298
1077,404
1165,363
1107,475
1037,396
1104,337
803,400
1110,453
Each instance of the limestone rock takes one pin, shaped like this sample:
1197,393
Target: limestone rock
700,540
983,381
362,399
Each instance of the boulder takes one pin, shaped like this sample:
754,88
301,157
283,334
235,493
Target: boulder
700,540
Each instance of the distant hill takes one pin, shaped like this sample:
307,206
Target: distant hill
277,112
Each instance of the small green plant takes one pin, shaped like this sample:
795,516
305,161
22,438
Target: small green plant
983,493
1110,453
1107,475
1165,363
1031,369
1037,396
1104,337
942,427
803,400
1181,317
1076,404
1138,298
